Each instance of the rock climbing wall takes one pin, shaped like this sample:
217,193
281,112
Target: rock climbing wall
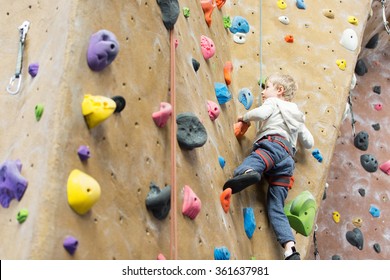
128,151
359,197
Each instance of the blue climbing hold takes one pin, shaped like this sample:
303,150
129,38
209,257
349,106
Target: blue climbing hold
222,161
222,92
221,253
301,4
249,222
240,25
245,96
317,155
374,211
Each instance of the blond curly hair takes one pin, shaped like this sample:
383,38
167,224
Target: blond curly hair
286,81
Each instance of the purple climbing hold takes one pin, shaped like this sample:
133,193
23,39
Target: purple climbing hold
355,238
102,50
33,69
159,201
170,12
12,183
84,152
70,244
369,162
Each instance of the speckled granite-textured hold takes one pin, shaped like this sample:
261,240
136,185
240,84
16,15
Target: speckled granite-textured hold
369,162
159,201
361,140
190,131
170,12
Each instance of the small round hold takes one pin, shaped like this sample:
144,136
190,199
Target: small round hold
120,103
377,248
336,257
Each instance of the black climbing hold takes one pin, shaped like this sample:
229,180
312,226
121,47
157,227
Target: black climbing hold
362,192
190,131
355,238
373,42
120,103
377,89
170,12
159,201
336,257
360,68
195,64
377,248
361,141
376,126
369,162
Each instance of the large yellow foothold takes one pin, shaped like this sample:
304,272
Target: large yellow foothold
97,108
336,216
353,20
282,4
83,191
341,63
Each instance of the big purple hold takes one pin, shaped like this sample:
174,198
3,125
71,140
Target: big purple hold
12,183
102,50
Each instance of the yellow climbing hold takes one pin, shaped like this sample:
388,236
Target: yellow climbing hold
282,4
83,191
96,109
357,222
341,63
353,20
336,216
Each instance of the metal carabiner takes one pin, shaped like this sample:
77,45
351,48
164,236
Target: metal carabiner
385,22
19,63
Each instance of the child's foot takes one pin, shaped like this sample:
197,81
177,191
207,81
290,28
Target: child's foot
292,255
242,181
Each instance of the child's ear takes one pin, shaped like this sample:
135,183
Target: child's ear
281,89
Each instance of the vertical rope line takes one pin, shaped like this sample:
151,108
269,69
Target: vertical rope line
173,236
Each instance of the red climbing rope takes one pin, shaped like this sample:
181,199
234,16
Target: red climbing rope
173,154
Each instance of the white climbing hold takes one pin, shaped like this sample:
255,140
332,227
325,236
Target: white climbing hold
349,39
284,19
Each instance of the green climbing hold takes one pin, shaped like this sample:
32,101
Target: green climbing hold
186,12
22,215
301,213
38,112
227,23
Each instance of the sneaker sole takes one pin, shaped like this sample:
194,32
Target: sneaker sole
242,181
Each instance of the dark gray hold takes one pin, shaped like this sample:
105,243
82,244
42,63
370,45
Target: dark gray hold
377,248
190,131
170,12
362,192
369,162
361,141
377,89
360,68
373,42
336,257
195,64
355,238
120,103
159,201
376,126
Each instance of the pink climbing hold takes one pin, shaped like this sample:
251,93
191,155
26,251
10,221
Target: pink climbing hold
161,117
213,110
207,46
176,43
385,167
378,106
191,203
161,257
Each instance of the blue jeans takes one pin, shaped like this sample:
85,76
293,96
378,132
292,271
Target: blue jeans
283,166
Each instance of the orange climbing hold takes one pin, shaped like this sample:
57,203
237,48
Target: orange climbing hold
289,38
208,7
225,199
220,3
227,70
240,128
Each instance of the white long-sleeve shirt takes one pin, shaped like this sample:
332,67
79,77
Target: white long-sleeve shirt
277,116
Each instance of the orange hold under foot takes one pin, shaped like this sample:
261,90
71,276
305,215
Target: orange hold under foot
208,7
225,199
227,70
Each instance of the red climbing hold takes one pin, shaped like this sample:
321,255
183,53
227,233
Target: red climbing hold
191,203
225,199
289,38
378,106
385,167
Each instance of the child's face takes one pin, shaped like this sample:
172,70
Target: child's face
271,90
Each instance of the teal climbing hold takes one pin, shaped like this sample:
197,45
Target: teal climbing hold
245,97
374,211
249,222
221,253
222,92
222,161
301,4
301,212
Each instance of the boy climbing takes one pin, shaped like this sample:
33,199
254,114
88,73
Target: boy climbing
281,126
